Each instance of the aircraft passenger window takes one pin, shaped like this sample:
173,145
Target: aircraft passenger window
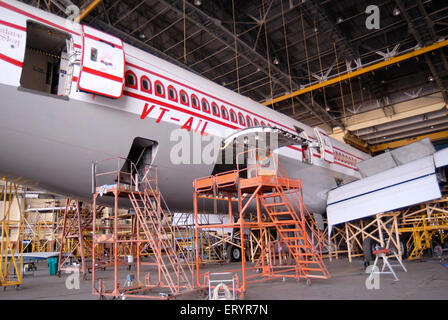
256,123
93,54
195,102
224,113
215,109
233,116
160,90
241,118
131,80
205,106
184,98
172,94
145,84
249,121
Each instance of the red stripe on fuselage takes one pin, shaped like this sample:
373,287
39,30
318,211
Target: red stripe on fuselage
20,64
12,25
11,60
20,11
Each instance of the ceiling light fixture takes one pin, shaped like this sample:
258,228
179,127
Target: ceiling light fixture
396,12
197,2
275,60
430,78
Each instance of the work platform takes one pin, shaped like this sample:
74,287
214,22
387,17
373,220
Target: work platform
148,235
262,185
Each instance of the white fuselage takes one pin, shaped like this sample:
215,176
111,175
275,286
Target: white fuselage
50,142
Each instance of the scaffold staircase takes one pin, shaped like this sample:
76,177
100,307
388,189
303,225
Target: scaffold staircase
148,205
297,230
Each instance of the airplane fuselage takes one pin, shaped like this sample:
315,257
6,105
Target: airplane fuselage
50,138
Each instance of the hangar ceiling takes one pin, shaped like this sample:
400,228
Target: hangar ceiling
264,49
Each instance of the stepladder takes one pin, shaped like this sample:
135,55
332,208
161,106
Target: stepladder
383,254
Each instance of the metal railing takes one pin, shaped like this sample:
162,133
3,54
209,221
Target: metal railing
122,174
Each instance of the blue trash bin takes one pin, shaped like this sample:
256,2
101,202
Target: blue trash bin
53,266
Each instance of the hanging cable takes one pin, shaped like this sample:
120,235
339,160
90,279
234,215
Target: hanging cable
268,55
306,53
362,97
287,56
360,89
340,83
185,35
320,62
351,93
236,47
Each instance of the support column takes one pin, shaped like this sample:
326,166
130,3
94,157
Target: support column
116,291
196,232
94,242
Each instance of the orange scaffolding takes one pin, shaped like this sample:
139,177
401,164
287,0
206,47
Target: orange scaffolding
75,243
169,273
263,184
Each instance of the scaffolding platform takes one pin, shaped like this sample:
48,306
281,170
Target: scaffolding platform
169,274
263,185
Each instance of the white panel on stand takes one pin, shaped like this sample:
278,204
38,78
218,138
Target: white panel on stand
406,185
441,158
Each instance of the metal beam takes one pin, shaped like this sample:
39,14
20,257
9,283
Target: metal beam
399,143
417,37
225,36
430,25
87,10
370,68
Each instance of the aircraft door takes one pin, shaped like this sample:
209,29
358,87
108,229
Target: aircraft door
102,63
326,147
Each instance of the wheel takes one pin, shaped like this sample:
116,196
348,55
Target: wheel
368,246
436,250
233,253
202,294
403,240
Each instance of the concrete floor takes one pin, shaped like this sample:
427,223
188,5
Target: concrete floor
425,279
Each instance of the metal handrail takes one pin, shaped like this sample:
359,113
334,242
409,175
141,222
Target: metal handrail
119,174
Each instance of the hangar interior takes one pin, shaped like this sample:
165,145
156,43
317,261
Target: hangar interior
371,74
